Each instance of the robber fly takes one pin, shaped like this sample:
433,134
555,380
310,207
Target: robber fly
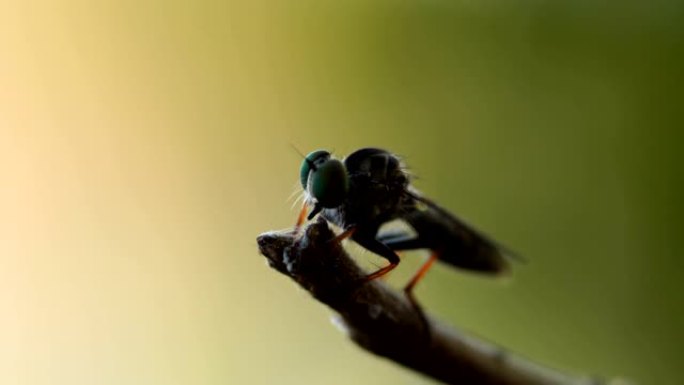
369,188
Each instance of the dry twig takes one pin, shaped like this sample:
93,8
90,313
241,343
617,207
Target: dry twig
384,322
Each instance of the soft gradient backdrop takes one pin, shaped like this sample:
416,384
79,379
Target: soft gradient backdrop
145,144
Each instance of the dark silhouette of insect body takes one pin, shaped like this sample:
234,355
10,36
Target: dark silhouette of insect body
369,188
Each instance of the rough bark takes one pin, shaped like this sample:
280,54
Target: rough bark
383,321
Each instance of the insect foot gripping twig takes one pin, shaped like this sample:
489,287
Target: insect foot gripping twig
383,321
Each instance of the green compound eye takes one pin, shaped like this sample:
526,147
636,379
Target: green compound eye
311,163
329,184
324,178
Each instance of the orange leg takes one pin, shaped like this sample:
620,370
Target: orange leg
420,273
377,274
301,218
344,235
382,271
408,289
385,276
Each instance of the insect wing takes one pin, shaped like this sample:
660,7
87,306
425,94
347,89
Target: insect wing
457,243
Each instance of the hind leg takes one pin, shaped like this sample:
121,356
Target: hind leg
399,240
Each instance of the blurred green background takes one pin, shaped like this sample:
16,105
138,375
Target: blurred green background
145,144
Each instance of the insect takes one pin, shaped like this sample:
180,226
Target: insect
369,188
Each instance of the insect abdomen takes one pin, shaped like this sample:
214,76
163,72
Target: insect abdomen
455,242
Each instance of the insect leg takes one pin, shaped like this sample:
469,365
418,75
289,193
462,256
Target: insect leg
301,217
403,241
344,235
399,240
373,245
408,289
420,273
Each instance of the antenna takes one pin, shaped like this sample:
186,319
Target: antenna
297,150
307,160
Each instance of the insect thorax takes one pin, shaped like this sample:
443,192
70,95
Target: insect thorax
377,190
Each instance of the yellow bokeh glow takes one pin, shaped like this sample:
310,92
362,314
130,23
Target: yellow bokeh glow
144,145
